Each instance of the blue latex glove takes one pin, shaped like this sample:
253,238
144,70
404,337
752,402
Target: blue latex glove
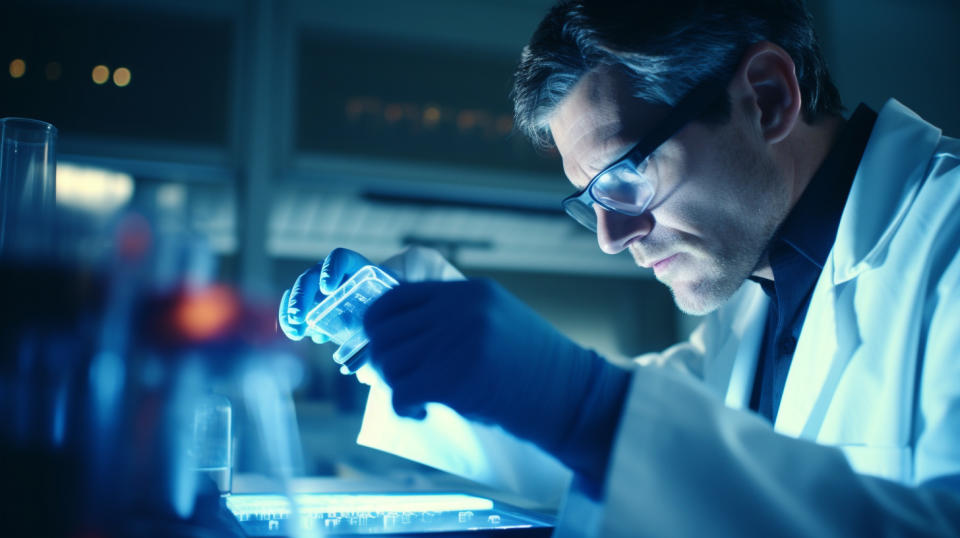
476,348
310,289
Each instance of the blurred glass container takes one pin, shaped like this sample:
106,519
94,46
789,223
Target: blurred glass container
340,314
212,440
28,170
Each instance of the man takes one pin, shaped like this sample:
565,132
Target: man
706,139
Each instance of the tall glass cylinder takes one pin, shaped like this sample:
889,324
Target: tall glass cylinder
28,171
212,439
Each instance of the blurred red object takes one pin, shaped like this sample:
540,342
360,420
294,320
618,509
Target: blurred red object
215,318
206,314
134,237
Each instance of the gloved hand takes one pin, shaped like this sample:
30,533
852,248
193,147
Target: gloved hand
474,347
310,289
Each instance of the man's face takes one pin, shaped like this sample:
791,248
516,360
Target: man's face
719,194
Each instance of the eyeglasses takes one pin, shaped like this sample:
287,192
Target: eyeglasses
625,186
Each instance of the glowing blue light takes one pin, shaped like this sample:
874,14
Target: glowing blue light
107,373
310,504
60,414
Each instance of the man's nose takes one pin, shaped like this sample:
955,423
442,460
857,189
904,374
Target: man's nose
615,231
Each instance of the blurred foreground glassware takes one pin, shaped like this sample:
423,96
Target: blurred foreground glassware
28,170
212,440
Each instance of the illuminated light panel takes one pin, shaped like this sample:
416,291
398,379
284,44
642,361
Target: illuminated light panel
121,77
53,71
18,68
308,504
92,189
100,74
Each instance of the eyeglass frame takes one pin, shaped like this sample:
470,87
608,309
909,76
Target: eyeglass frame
690,107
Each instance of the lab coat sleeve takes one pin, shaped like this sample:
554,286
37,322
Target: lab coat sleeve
417,264
686,465
937,453
685,357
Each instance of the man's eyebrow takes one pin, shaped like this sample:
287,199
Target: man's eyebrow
607,157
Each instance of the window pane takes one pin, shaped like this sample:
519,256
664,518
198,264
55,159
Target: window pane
410,101
161,76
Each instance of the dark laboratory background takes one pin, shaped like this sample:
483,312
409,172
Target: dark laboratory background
261,134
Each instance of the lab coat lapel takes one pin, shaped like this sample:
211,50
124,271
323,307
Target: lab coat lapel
825,346
886,183
740,354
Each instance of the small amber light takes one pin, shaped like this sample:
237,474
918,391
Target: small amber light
17,68
431,115
100,74
121,77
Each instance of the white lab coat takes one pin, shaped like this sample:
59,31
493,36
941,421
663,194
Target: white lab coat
871,406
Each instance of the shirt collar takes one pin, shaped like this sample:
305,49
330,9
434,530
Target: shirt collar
811,226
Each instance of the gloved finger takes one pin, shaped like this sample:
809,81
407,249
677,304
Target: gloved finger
338,266
296,331
304,295
292,331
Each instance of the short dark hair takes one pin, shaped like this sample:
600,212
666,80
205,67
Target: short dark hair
666,47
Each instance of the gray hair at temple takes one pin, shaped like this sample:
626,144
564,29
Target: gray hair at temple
666,47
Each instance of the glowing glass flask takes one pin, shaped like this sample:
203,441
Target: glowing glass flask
340,314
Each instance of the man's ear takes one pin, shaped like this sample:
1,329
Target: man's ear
767,80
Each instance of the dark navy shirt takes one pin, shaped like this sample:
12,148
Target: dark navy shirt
797,254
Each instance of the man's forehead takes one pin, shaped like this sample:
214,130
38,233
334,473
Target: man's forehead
602,107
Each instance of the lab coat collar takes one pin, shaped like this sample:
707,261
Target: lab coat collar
891,173
896,156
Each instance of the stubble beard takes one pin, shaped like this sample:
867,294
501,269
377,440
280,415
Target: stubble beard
718,283
723,271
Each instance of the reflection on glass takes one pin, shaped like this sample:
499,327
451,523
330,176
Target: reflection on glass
27,187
